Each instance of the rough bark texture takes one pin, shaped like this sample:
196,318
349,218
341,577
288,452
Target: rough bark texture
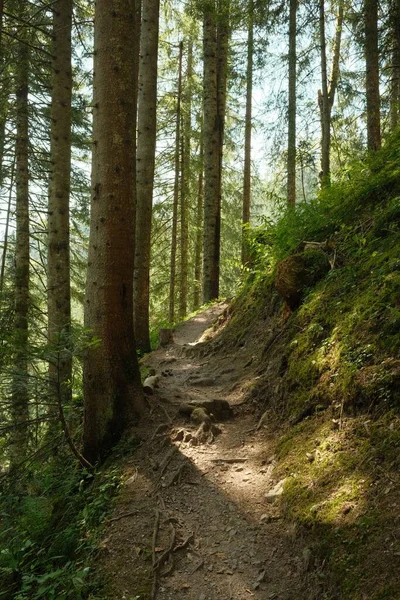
215,46
372,75
112,388
58,271
395,76
20,399
146,145
199,229
136,50
247,134
291,158
185,182
172,276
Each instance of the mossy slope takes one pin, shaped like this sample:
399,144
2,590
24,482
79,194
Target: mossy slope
329,378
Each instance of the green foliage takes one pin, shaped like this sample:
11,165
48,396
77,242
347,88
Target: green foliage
50,531
370,186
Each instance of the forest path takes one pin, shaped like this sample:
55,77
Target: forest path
193,521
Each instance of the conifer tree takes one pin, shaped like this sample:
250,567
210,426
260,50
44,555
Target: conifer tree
112,389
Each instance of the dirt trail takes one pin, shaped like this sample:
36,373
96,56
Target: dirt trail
193,521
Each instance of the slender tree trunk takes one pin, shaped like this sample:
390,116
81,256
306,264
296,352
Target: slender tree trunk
326,97
1,23
323,98
20,397
199,228
291,157
335,70
112,388
247,135
215,44
372,74
172,281
185,182
6,230
395,77
4,93
145,160
58,266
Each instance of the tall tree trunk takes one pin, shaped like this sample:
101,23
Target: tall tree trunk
145,160
112,388
323,99
1,23
335,70
6,230
372,74
20,397
136,49
4,94
215,45
199,228
58,270
395,76
326,97
185,182
291,157
172,280
247,134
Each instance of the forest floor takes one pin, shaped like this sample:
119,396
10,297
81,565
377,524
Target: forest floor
196,519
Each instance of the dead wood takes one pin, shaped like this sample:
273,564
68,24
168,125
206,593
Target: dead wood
149,384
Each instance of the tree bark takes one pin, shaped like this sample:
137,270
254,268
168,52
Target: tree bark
247,135
395,76
215,44
20,396
145,161
372,75
335,70
6,229
185,181
199,228
58,265
112,388
323,99
291,157
172,279
4,94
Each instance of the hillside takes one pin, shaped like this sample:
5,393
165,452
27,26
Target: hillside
298,493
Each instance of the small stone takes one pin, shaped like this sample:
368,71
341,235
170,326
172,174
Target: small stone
310,457
276,492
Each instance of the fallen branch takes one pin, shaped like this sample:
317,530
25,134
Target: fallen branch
149,384
123,516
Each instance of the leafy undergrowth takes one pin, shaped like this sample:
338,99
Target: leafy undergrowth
51,523
329,377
